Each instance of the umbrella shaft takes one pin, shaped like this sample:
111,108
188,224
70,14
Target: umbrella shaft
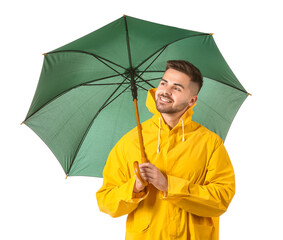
143,158
133,85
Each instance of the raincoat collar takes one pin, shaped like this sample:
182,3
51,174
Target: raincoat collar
150,103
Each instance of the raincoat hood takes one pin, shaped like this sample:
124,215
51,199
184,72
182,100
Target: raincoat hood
157,118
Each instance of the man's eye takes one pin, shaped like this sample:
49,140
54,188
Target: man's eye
177,89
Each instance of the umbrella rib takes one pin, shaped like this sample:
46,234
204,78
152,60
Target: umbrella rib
103,84
148,80
90,124
142,87
62,93
139,76
116,97
99,79
152,71
121,94
92,54
145,81
107,84
98,58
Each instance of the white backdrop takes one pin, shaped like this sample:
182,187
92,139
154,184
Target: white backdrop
38,203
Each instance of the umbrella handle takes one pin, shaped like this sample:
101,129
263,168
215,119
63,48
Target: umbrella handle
138,174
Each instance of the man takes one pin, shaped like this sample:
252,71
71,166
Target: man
191,179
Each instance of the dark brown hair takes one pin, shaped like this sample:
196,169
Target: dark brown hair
187,68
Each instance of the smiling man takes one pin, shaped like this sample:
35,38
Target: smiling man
191,179
177,91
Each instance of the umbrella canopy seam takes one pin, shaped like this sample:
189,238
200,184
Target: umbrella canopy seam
128,42
166,45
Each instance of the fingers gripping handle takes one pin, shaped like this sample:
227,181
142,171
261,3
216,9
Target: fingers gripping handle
138,174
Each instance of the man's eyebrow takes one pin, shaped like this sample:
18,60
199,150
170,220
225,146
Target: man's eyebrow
176,84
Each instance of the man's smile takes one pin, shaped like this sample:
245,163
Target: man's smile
165,99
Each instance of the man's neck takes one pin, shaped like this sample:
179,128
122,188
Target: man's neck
172,119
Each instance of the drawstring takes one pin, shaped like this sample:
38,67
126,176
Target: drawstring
183,130
159,135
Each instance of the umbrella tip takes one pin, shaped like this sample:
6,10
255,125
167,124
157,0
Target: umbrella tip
22,122
211,34
67,175
249,94
124,15
44,54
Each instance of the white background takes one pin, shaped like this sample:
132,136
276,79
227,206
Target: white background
36,202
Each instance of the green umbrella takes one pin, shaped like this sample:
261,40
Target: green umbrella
83,102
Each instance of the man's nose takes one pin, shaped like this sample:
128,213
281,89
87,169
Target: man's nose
167,91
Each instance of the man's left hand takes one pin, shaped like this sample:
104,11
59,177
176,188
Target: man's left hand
153,175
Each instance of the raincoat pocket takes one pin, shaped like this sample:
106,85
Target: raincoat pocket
203,232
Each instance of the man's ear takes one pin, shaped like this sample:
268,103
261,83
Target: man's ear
192,101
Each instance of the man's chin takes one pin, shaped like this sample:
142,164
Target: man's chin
165,110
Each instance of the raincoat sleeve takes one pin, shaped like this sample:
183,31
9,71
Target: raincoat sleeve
116,196
210,199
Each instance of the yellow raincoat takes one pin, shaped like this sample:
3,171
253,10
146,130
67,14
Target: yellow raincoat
200,175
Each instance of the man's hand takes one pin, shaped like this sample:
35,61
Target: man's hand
153,175
138,185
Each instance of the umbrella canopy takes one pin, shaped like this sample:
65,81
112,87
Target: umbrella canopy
83,102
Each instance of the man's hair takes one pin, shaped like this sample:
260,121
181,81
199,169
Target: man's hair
189,69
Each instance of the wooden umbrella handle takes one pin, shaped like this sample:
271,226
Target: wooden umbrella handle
143,158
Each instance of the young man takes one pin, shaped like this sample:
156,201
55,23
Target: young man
191,179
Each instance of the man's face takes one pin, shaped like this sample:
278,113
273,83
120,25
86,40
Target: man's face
175,93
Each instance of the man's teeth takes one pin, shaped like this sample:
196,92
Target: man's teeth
164,100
